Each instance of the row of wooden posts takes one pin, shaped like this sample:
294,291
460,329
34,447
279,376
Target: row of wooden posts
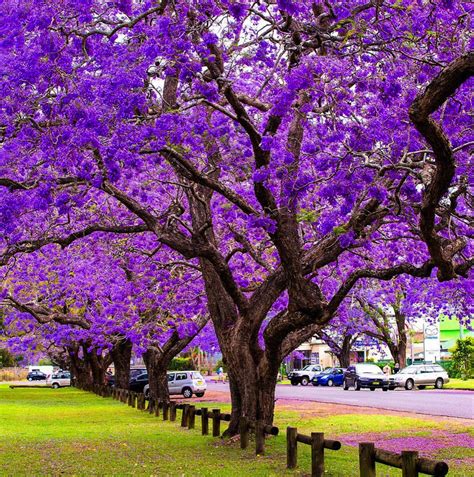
408,461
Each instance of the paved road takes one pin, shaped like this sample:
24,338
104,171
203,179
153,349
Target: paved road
450,403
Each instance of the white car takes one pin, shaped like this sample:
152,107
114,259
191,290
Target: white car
420,375
186,383
59,380
305,375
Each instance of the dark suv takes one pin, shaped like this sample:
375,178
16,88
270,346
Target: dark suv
36,375
365,375
138,382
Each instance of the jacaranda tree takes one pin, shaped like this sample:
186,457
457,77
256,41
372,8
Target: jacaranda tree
286,149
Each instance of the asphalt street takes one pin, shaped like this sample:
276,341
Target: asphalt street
444,402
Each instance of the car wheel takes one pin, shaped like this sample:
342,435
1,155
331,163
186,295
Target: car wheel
384,389
421,387
439,383
314,383
55,386
391,388
30,379
372,389
199,394
147,393
294,383
304,381
345,386
330,382
357,386
187,393
409,385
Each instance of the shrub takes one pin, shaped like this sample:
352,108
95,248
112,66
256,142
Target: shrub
181,364
463,357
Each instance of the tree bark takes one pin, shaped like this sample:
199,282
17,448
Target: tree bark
121,354
157,365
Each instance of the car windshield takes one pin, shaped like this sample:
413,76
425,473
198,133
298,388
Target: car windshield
409,370
327,371
368,368
196,376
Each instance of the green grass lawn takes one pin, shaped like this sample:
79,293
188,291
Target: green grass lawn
70,432
460,384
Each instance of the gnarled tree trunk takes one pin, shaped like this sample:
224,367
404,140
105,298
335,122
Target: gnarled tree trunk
121,354
157,365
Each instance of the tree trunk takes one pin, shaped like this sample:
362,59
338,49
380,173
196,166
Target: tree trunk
81,371
253,377
157,365
121,355
344,356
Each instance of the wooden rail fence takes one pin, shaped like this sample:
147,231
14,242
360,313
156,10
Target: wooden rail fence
408,461
317,442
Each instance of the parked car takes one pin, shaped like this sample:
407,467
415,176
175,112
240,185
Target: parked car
36,375
136,371
329,377
365,375
59,380
186,383
138,382
305,375
420,375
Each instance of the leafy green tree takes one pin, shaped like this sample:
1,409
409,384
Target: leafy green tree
463,357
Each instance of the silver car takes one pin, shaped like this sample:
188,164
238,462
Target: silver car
59,379
420,375
186,383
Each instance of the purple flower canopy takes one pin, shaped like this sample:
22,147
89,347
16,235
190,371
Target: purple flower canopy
259,165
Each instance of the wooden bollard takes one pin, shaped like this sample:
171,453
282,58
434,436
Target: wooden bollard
367,459
244,432
204,421
172,411
317,454
409,464
184,416
216,422
291,447
165,410
191,417
259,438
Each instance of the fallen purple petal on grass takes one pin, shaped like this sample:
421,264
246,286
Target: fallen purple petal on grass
425,445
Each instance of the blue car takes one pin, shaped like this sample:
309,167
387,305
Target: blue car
329,377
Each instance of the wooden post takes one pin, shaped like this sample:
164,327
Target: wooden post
216,422
259,438
204,421
367,459
191,417
317,454
291,447
184,416
244,432
165,410
172,411
409,464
